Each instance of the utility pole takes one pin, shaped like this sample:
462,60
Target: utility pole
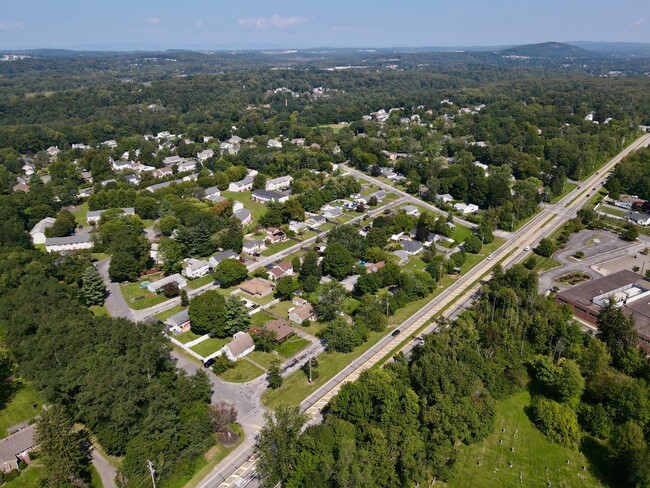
153,472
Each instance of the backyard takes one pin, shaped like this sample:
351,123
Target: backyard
20,402
138,297
209,346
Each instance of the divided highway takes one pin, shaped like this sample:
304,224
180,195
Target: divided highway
455,297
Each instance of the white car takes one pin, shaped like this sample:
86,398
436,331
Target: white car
489,257
527,248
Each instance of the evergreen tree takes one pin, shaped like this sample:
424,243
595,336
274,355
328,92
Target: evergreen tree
185,300
64,450
236,316
93,289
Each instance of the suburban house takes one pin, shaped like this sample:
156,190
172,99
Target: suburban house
187,166
162,172
298,141
195,268
245,216
175,278
70,243
257,287
299,302
192,177
411,247
205,155
112,143
629,201
172,160
253,246
213,191
275,235
297,227
93,216
484,167
379,195
21,187
237,205
154,253
264,196
228,148
638,218
465,208
179,322
235,140
402,256
86,192
315,221
332,212
445,198
374,267
299,314
159,186
280,270
244,184
222,256
281,183
53,151
132,179
411,210
274,143
16,447
38,231
241,345
280,328
120,165
349,282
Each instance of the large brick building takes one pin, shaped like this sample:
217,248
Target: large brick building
629,290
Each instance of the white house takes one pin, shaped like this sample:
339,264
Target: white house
411,247
196,268
253,246
222,256
241,345
638,218
446,198
179,322
213,191
302,313
245,216
53,151
411,210
297,227
71,243
332,212
484,167
245,184
205,155
162,172
281,183
93,216
112,143
171,160
274,143
175,278
466,209
350,282
237,205
38,231
402,256
265,196
187,166
121,164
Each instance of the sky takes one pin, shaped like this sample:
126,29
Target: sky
259,24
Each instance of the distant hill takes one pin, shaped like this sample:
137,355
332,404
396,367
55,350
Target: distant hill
548,50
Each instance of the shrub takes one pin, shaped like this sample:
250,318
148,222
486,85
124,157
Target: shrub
555,421
170,290
221,365
11,475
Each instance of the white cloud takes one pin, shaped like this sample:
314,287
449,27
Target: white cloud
16,24
275,21
637,22
199,23
153,20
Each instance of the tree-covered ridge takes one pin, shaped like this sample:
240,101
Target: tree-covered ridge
632,176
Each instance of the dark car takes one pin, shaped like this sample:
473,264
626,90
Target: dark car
396,332
208,362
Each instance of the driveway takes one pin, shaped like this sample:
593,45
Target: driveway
115,302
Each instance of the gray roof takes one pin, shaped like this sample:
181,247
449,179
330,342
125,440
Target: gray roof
253,242
178,318
43,224
159,186
411,246
637,216
175,278
222,256
97,213
245,181
269,195
62,241
16,443
194,264
239,344
212,190
401,254
242,214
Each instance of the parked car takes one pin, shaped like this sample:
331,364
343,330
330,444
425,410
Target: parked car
208,362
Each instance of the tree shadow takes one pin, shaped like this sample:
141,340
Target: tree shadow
596,452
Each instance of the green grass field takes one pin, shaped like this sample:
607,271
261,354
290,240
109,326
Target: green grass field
244,372
257,209
292,346
264,359
133,290
616,212
29,478
199,282
260,318
98,310
280,246
460,233
209,346
80,214
539,461
21,402
186,337
336,128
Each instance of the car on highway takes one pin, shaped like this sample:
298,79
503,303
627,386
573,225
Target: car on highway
527,248
396,332
489,258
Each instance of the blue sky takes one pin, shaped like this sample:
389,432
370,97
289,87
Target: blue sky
214,24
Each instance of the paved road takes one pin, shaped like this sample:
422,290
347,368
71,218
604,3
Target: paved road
115,302
106,472
543,224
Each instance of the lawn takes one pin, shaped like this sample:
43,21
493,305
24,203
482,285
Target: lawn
296,387
133,290
98,310
336,128
21,402
609,210
257,209
260,318
460,233
147,302
209,346
414,264
281,309
292,346
259,300
280,246
540,462
264,359
543,264
162,316
199,282
186,337
568,188
80,214
29,478
244,372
